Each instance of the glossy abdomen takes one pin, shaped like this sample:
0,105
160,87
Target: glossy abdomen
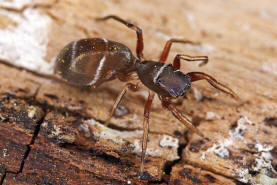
90,62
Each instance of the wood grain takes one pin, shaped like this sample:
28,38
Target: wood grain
65,141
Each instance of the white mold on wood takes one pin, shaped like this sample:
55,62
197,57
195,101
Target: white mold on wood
163,146
168,141
25,43
220,149
16,4
262,165
238,132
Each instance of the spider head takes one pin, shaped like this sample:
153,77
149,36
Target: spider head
163,79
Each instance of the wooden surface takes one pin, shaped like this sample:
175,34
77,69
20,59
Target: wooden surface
53,133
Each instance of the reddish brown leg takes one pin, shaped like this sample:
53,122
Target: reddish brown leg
195,76
145,130
133,27
177,59
119,98
183,119
168,46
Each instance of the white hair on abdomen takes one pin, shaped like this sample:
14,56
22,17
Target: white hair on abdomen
98,71
105,40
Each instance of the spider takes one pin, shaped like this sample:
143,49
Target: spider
93,61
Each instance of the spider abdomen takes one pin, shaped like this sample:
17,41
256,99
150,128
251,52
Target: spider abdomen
90,62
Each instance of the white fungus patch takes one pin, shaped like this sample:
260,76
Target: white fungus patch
263,159
238,132
106,133
168,141
17,4
263,148
219,149
149,151
84,128
222,151
243,175
262,165
119,137
25,44
58,132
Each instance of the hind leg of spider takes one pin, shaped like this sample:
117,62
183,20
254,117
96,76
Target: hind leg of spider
195,76
168,44
139,48
182,118
177,59
119,98
147,107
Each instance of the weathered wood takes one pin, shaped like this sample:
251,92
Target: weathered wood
62,129
186,174
19,120
241,145
240,40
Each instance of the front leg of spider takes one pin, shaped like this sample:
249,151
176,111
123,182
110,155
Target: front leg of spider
195,76
182,118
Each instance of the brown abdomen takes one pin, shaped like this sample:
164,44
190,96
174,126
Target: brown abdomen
90,62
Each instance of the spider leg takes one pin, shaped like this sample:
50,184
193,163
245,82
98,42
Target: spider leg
168,44
195,76
178,57
145,129
139,48
182,118
119,98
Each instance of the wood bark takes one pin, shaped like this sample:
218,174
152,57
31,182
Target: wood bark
54,133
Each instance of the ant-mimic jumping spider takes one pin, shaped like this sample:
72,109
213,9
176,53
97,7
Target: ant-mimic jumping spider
93,61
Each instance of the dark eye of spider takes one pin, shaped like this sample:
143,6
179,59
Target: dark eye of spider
158,82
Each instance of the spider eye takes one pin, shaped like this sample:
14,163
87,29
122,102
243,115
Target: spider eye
158,81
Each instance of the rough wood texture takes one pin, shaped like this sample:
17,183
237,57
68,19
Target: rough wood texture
53,133
186,174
